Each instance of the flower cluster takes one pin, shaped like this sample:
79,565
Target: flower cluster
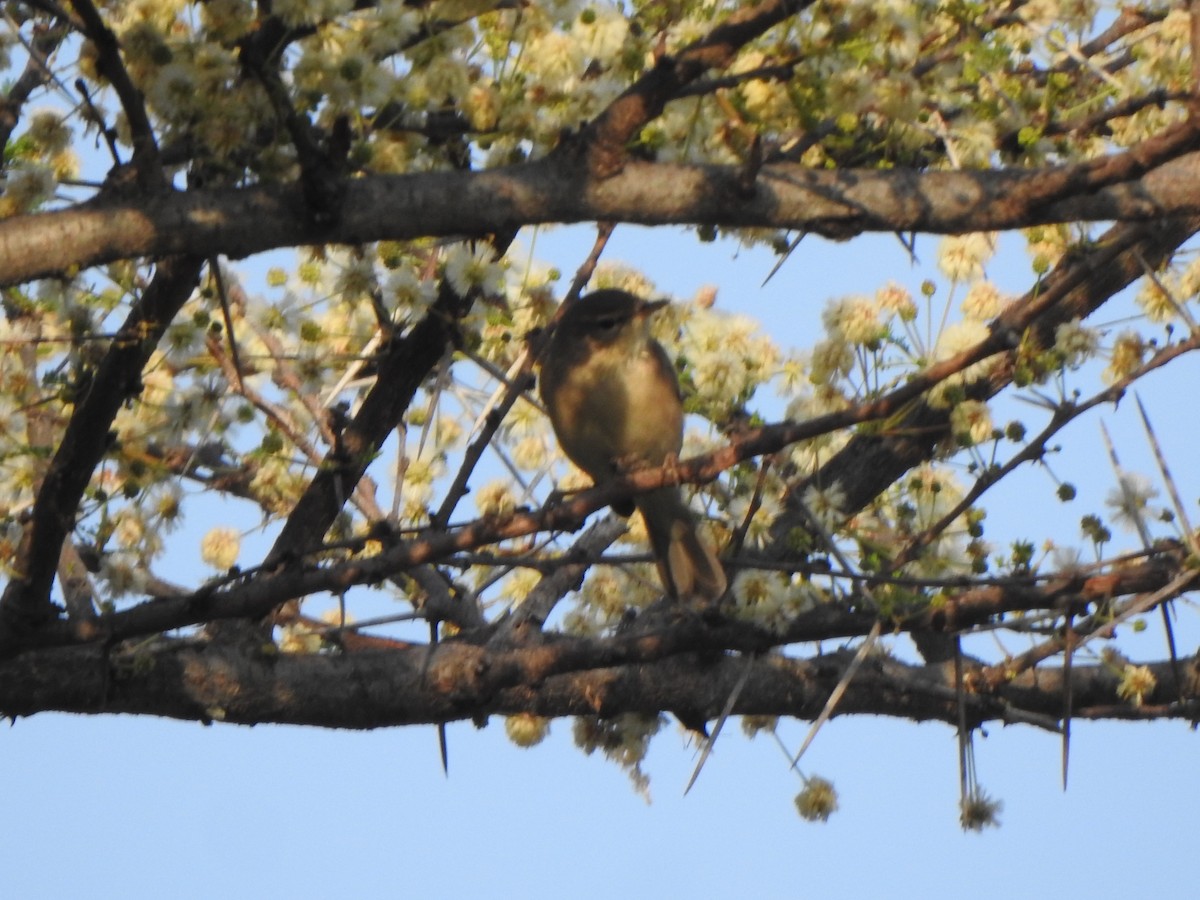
623,739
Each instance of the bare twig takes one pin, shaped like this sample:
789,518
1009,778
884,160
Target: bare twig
512,387
26,599
1035,449
146,160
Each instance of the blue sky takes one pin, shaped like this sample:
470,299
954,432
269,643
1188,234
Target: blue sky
123,807
105,807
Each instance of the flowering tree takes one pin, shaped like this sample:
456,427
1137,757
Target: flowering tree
336,412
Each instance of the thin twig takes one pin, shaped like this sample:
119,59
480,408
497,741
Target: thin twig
146,158
511,389
1035,449
214,268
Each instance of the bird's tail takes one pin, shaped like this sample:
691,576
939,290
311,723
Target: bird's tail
688,567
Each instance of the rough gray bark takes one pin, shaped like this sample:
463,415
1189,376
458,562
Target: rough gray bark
239,222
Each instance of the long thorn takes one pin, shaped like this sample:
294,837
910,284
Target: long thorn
1126,490
784,257
838,691
712,737
443,749
1181,514
214,268
1165,472
960,702
1068,697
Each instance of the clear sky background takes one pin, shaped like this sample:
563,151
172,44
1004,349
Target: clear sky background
123,807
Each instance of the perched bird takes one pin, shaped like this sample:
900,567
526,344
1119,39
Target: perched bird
614,401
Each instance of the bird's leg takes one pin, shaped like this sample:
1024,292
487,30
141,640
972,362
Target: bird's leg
670,467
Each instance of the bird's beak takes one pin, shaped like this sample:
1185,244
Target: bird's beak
649,307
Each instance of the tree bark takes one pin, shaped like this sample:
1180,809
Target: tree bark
239,222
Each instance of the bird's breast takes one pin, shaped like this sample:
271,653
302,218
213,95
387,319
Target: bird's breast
618,412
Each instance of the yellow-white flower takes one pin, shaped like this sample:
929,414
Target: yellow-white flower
763,598
603,34
526,730
855,319
48,129
764,97
411,292
174,89
818,801
825,505
934,490
896,300
356,279
531,453
220,547
953,340
516,587
299,638
466,269
130,529
27,185
394,25
496,499
830,358
607,593
1156,301
1136,683
1127,354
983,301
1047,244
482,106
971,423
962,257
1075,342
758,531
1130,500
556,60
309,12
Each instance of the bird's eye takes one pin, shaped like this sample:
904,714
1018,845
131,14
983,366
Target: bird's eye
607,325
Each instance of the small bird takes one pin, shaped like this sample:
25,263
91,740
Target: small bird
614,401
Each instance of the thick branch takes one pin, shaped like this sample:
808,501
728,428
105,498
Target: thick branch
644,101
402,367
455,680
26,599
240,222
1078,286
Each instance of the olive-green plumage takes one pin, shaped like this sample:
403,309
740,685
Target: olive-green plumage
614,401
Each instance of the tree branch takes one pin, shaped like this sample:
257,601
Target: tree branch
26,599
1080,284
455,680
606,138
239,222
146,160
46,39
